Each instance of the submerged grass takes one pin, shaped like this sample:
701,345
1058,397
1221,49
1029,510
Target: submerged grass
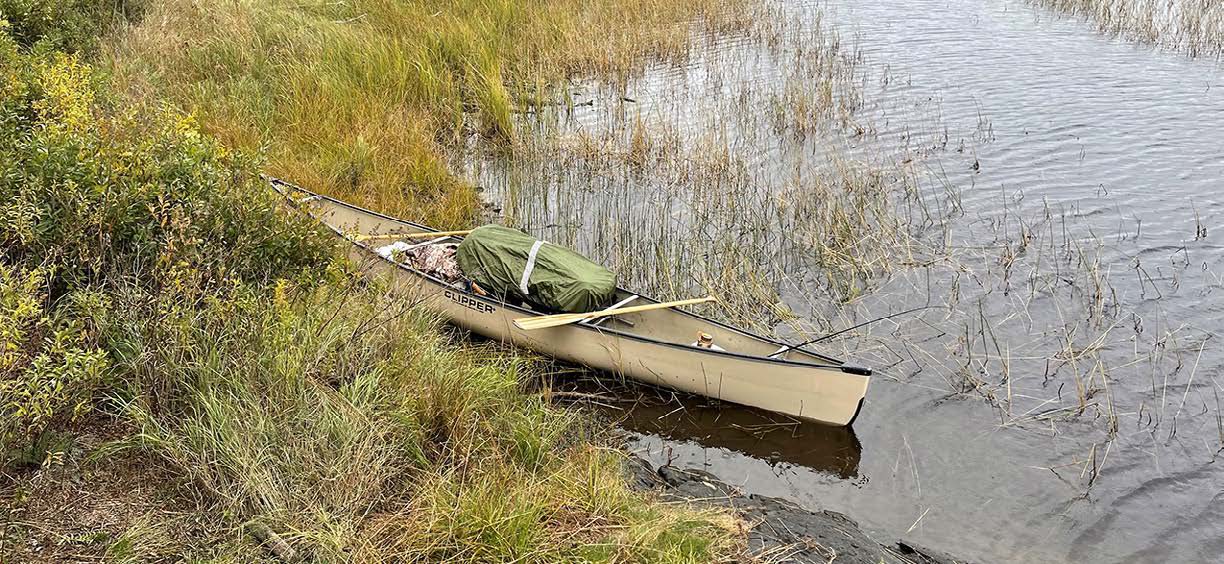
1195,27
771,174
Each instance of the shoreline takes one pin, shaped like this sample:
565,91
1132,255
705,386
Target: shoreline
779,528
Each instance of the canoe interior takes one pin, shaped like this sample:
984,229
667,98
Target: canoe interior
673,326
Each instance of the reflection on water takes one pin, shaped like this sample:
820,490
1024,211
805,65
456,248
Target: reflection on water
692,424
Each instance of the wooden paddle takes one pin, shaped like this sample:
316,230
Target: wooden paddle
544,321
421,235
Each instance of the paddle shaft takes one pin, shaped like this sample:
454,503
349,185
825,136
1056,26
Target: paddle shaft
531,323
419,235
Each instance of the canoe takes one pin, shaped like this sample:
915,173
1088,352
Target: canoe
655,347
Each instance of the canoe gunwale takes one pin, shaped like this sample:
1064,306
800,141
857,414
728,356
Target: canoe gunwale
312,196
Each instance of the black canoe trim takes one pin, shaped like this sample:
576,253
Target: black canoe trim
857,411
839,365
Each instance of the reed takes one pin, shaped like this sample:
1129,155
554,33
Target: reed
679,212
1195,27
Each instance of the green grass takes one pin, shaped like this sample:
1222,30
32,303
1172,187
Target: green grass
349,425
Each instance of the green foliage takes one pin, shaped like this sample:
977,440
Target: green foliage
71,25
48,370
141,194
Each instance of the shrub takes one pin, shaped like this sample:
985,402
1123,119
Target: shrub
140,194
48,370
72,25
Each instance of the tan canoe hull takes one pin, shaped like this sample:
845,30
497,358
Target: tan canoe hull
823,393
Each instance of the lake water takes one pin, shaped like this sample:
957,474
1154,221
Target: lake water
1056,196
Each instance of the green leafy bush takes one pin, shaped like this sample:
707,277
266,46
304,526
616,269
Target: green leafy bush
48,370
141,193
65,24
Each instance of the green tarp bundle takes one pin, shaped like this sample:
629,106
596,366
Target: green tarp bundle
509,263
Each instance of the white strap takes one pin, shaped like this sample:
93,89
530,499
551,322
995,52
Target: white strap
531,258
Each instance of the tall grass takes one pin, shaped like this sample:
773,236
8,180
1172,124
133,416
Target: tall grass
364,99
346,424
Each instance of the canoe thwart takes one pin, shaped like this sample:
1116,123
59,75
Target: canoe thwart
616,305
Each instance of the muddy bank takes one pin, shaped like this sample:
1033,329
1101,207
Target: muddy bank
781,530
